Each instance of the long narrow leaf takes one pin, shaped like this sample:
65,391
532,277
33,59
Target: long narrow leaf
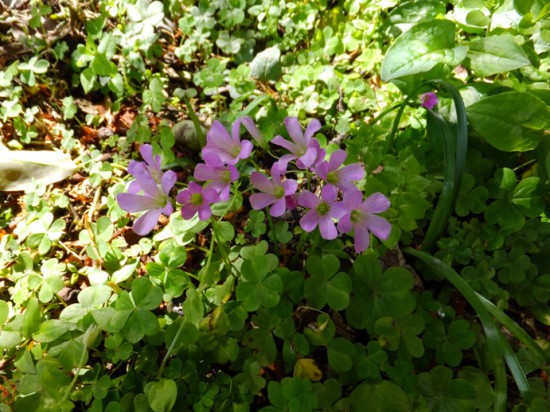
456,148
439,130
515,329
496,346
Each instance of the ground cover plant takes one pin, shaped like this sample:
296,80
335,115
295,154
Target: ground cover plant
274,205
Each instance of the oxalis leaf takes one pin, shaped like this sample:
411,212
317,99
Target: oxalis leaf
511,121
421,48
19,168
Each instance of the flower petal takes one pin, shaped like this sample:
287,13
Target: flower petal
307,160
249,124
188,211
168,209
309,221
146,151
294,130
327,228
147,222
290,186
338,209
375,203
313,127
261,200
261,182
337,158
308,199
353,199
379,226
136,203
329,193
168,181
281,141
218,136
344,224
246,149
204,172
278,208
354,171
362,239
204,212
148,184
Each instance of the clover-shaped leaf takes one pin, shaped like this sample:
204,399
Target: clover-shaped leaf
377,294
449,343
443,393
259,287
471,199
325,286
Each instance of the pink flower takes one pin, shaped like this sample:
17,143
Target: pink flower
429,100
302,147
360,217
221,147
218,177
322,211
331,172
154,201
197,199
151,167
274,192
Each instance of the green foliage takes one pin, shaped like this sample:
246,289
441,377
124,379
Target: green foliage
246,314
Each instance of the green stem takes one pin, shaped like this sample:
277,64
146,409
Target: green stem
196,122
169,351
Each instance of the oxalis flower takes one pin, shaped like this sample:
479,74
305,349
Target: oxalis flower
360,217
322,211
331,172
274,192
154,201
150,167
218,177
197,199
303,147
222,147
429,100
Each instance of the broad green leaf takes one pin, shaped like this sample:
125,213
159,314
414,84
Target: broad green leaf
103,67
94,296
4,312
339,353
124,273
87,79
496,54
52,329
146,295
421,48
162,395
18,169
31,317
510,121
266,64
380,397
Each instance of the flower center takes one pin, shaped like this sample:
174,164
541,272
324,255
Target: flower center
226,177
355,216
322,208
236,150
279,192
333,177
196,199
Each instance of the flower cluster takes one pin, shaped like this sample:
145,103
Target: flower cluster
336,207
339,207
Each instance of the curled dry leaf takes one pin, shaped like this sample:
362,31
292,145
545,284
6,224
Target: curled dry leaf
19,168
